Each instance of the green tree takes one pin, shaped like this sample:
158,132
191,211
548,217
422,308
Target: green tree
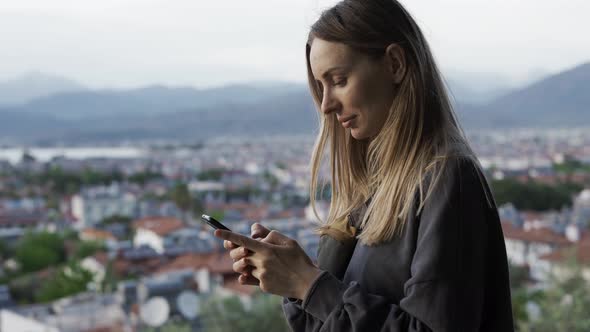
213,174
170,327
570,166
4,252
229,314
109,283
181,196
532,195
70,280
143,177
24,288
37,251
87,248
564,305
116,219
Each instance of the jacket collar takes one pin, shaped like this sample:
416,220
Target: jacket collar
355,217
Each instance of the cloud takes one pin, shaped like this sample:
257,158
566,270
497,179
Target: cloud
137,42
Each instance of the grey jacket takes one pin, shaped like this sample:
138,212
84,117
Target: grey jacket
448,270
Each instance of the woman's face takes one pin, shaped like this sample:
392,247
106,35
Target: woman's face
357,89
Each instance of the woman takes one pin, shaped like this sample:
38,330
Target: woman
412,241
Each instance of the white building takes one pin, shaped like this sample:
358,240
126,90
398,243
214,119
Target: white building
96,203
212,273
13,322
556,262
152,232
525,246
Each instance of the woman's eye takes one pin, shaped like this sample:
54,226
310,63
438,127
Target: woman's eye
340,82
320,85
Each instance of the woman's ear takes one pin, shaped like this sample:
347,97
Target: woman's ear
396,61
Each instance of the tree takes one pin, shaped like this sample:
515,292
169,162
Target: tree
229,314
87,248
564,306
70,280
213,174
115,219
143,177
40,250
181,196
532,195
24,288
170,327
3,250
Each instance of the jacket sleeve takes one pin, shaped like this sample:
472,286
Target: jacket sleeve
333,256
445,291
297,318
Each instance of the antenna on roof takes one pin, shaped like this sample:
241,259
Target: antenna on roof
155,311
189,304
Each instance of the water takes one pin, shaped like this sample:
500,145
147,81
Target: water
14,155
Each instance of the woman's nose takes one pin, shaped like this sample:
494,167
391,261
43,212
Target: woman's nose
329,103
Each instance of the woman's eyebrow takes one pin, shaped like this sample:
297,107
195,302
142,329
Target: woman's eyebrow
329,71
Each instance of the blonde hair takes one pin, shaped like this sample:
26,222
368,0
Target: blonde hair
420,134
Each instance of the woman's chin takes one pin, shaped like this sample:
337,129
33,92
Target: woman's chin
357,134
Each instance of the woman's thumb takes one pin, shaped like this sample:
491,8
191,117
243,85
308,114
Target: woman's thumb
259,231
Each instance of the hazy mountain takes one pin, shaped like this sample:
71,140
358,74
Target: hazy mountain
21,126
262,109
558,100
291,113
33,85
463,92
156,99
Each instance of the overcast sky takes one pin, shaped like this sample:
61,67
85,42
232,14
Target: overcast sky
129,43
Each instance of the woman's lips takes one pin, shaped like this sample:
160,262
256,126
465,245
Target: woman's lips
348,123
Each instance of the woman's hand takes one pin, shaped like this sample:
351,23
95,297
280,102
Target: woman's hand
257,231
277,262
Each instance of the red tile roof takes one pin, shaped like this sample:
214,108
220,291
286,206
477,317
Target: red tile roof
101,257
531,215
580,251
91,234
122,267
159,225
540,235
217,262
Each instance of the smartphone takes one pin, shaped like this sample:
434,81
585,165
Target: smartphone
214,223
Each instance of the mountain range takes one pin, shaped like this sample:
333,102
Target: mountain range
78,114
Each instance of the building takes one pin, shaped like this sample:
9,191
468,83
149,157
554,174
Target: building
525,246
14,322
557,263
211,273
97,203
152,232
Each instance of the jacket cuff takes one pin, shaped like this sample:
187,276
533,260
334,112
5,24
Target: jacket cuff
291,300
324,295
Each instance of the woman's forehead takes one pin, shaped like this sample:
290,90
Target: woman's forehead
325,55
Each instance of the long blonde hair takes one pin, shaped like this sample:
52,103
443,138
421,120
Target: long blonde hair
420,134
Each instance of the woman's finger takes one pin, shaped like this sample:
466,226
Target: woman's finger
238,253
241,240
241,266
248,280
274,237
228,245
